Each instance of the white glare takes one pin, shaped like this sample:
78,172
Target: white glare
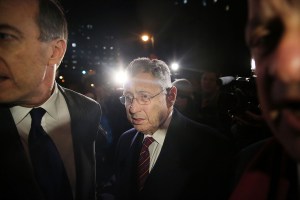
253,66
174,66
120,77
145,38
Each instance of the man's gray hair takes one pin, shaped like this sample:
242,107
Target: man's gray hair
158,68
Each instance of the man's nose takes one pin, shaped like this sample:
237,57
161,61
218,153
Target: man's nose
134,105
286,64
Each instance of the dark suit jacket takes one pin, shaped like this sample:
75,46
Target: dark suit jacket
189,165
16,176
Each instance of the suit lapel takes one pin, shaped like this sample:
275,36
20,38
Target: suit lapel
79,131
168,172
173,137
15,169
130,164
11,145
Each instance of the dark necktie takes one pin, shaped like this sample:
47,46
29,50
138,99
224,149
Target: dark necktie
47,164
144,162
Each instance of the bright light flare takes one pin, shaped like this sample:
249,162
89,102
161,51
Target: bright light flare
253,65
174,66
145,38
120,77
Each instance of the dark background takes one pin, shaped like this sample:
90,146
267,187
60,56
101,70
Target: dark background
199,34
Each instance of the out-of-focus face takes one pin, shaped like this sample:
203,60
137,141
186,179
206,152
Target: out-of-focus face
148,118
273,35
27,65
181,103
209,83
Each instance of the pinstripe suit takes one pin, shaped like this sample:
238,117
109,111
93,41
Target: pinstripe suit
188,167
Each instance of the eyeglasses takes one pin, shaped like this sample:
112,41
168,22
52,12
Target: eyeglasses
142,98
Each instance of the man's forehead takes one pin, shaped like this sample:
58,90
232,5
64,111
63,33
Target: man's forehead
134,81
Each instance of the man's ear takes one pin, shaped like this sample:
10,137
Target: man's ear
171,96
58,51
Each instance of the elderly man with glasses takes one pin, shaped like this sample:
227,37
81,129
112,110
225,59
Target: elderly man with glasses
165,155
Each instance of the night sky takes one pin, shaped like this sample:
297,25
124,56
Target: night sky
199,37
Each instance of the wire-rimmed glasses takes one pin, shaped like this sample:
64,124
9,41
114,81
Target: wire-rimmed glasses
142,98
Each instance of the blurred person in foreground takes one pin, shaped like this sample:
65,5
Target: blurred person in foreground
32,45
270,170
186,158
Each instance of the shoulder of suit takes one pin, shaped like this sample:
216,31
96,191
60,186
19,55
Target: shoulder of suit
75,99
71,93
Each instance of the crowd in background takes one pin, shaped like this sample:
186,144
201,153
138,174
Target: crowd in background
231,107
59,144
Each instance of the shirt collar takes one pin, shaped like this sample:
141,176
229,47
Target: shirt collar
160,134
20,112
50,104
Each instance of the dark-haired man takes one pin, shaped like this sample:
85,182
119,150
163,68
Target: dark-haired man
36,114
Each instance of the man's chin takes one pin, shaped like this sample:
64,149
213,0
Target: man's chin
286,122
294,150
290,140
138,127
142,130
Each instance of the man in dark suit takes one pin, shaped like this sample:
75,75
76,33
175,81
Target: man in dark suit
270,169
185,160
33,40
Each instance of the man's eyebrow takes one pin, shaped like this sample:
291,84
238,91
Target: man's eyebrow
11,28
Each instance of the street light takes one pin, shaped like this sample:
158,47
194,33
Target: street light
147,38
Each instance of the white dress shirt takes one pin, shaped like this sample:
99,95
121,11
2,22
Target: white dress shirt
159,137
56,122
